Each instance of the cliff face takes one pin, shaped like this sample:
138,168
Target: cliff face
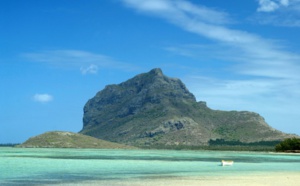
153,109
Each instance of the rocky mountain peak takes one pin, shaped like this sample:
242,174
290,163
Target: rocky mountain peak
154,85
138,94
156,72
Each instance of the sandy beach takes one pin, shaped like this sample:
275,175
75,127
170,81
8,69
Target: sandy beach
273,179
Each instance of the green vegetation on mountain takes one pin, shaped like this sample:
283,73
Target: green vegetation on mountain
153,110
58,139
289,145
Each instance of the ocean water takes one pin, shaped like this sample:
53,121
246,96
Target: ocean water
19,166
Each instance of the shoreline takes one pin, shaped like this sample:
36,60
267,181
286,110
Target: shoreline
264,179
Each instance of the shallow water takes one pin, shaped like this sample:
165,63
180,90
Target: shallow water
50,166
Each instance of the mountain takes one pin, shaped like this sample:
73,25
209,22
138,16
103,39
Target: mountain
59,139
152,109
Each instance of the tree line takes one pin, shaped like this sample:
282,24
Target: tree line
8,144
222,142
290,144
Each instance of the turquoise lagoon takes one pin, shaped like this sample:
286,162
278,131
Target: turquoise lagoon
19,166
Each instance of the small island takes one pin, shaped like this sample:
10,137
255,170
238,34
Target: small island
59,139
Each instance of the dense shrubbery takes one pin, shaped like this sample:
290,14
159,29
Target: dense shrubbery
222,142
218,148
290,144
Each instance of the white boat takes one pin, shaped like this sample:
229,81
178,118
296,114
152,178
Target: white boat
226,162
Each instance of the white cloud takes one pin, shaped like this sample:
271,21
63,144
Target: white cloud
284,2
91,69
267,6
42,98
179,10
86,62
272,5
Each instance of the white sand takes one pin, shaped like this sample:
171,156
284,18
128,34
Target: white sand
273,179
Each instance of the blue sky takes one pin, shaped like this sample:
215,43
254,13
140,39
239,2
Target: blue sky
235,55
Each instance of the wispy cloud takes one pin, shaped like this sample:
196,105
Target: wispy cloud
179,9
92,69
257,56
42,98
275,100
86,62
